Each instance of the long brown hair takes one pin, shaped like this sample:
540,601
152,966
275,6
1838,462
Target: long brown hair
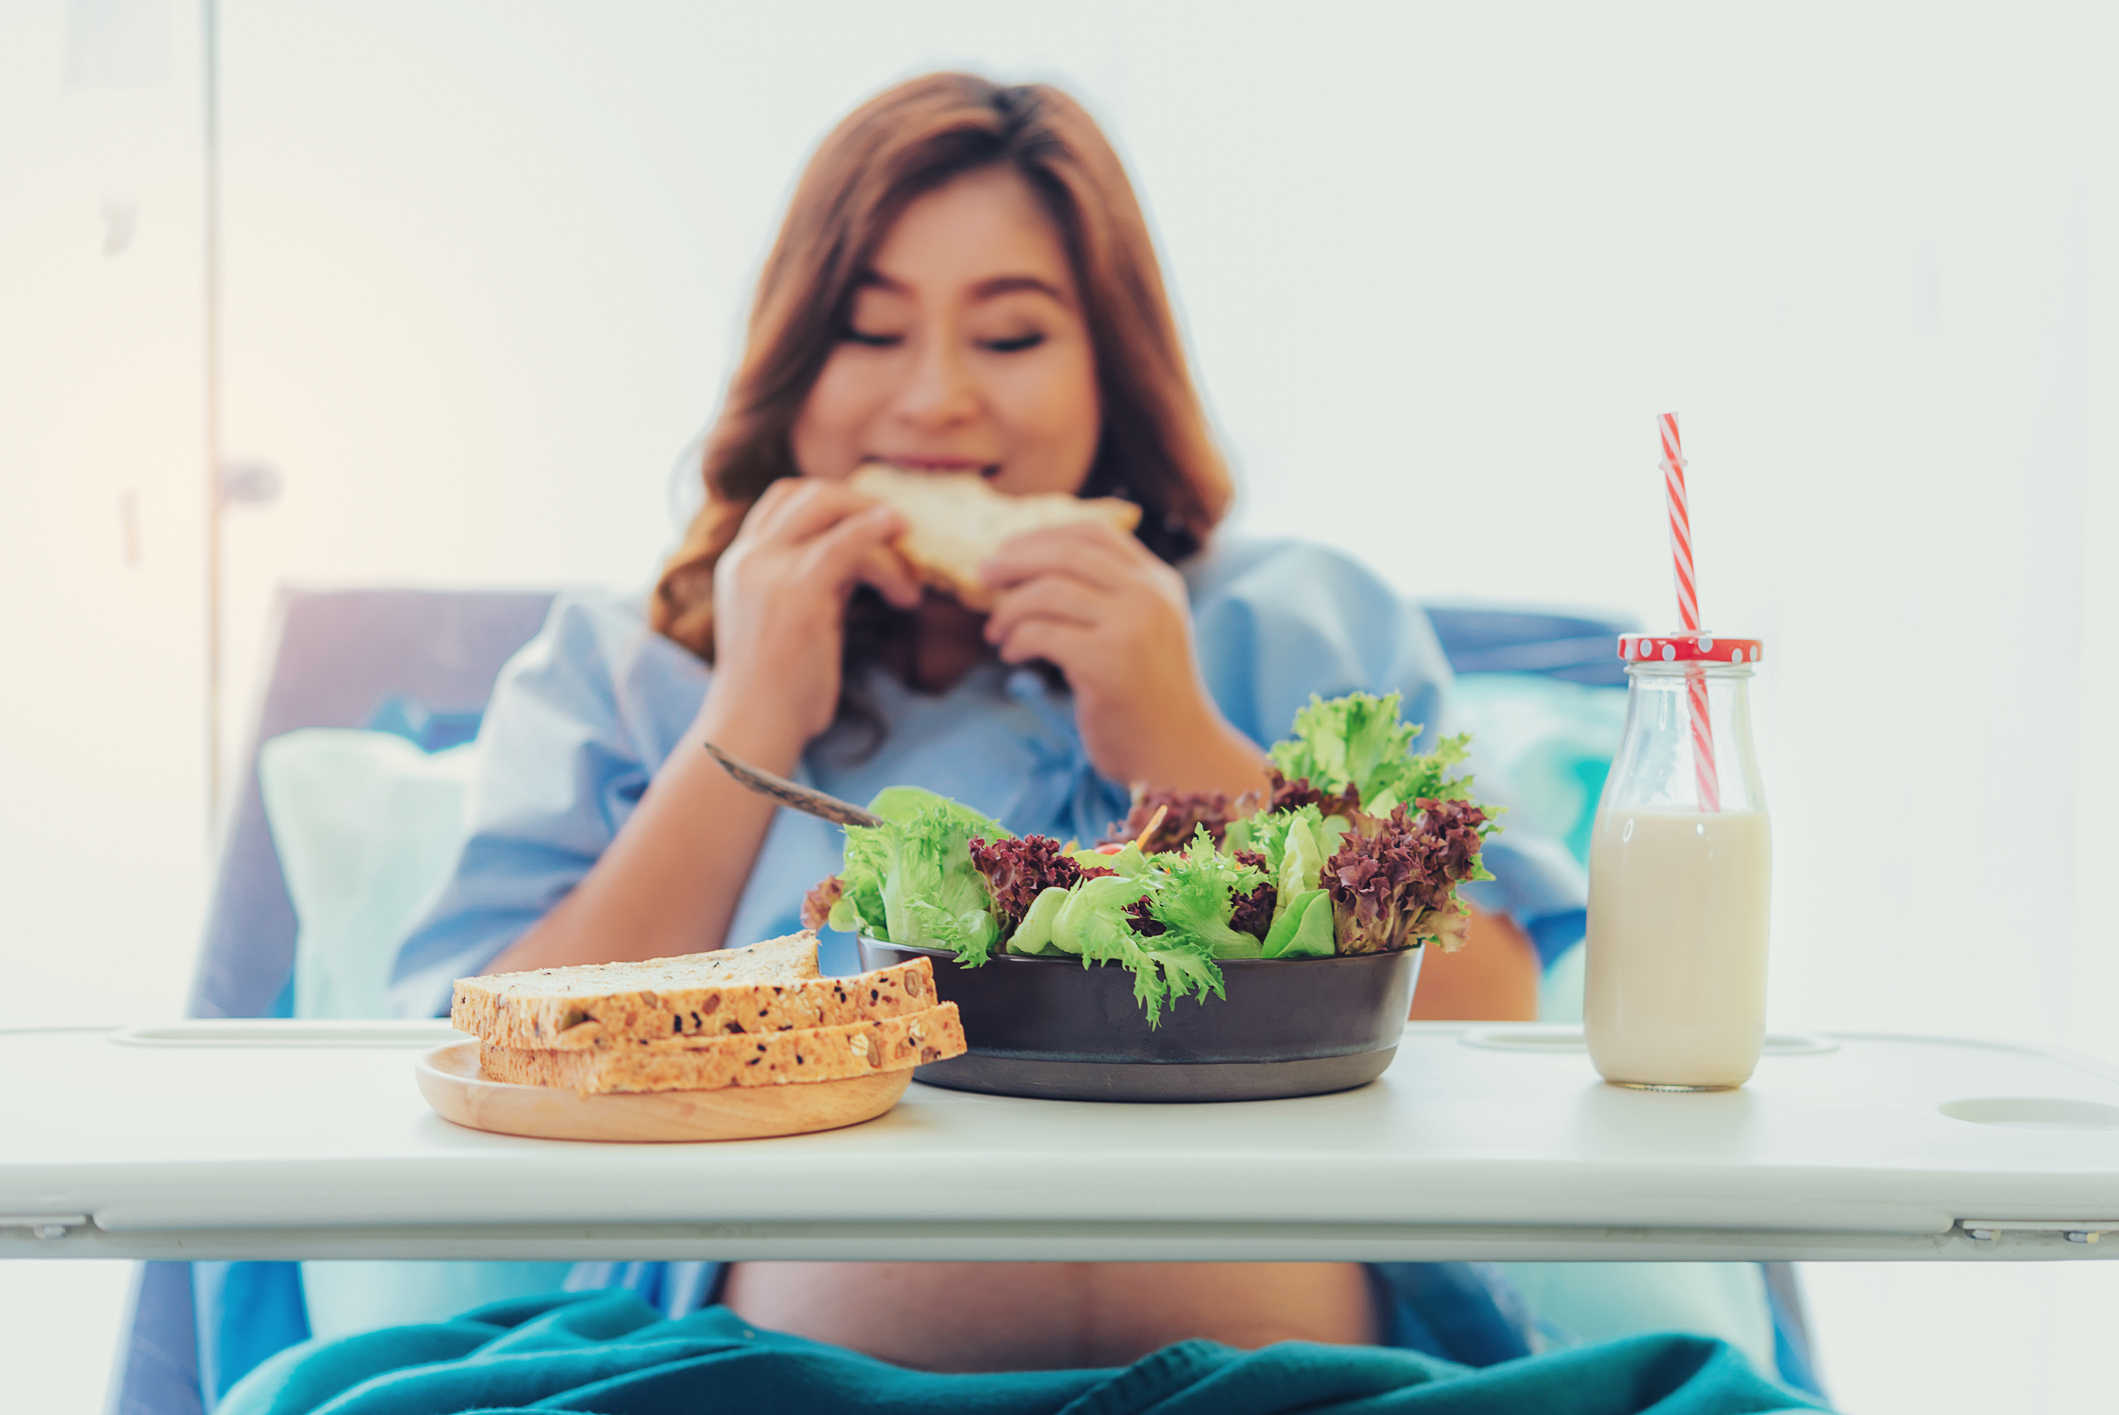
1154,447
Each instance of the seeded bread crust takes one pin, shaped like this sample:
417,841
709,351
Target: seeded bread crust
955,520
589,1018
778,1059
683,1019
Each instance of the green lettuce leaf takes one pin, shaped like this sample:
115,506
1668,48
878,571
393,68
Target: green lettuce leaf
1268,832
1358,741
1346,741
1186,972
1130,861
1093,924
860,905
1303,929
910,880
904,804
1193,900
1093,919
1034,934
1295,843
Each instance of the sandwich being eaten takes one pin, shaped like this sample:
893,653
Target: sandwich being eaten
755,1016
955,521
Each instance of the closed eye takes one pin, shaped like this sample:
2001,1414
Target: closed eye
873,341
1013,346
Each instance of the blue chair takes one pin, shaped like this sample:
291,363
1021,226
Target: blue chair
340,658
1483,639
422,663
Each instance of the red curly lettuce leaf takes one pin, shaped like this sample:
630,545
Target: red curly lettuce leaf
1252,913
1292,795
1143,920
820,901
1394,879
1183,815
1019,870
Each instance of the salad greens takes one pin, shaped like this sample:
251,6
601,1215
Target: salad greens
1359,847
910,879
1356,744
1195,899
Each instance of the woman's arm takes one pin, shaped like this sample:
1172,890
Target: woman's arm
1494,978
669,882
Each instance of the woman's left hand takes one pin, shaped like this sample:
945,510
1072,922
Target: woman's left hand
1092,600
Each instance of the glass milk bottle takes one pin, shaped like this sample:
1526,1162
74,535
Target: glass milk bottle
1680,869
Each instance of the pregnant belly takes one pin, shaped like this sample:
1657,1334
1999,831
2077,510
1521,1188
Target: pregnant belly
1049,1316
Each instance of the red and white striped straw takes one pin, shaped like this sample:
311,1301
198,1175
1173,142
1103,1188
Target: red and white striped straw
1689,612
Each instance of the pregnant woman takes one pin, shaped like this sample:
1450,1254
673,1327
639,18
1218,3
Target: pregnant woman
964,282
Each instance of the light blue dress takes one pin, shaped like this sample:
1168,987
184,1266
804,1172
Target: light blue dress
583,717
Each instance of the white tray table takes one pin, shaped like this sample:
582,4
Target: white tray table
309,1140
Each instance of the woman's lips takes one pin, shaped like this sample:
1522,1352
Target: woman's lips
942,464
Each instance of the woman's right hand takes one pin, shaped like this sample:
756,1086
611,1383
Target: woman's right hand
780,593
669,882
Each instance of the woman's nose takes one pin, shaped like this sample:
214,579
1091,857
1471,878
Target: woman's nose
940,392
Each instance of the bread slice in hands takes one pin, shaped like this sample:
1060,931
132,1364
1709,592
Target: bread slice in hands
804,1054
766,987
955,521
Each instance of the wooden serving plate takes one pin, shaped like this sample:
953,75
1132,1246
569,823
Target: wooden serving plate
450,1079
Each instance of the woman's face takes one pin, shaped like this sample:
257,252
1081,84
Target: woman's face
966,350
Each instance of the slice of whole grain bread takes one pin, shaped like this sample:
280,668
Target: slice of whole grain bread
768,1059
954,521
767,987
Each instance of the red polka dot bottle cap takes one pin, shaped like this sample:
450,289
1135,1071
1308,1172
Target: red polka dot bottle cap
1688,648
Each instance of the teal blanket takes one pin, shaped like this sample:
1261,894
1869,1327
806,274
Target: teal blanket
611,1353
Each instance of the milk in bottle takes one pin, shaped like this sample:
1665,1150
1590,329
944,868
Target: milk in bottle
1675,997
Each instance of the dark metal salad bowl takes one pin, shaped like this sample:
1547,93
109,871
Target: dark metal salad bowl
1052,1029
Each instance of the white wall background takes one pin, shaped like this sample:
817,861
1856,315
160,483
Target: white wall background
486,263
103,827
102,519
